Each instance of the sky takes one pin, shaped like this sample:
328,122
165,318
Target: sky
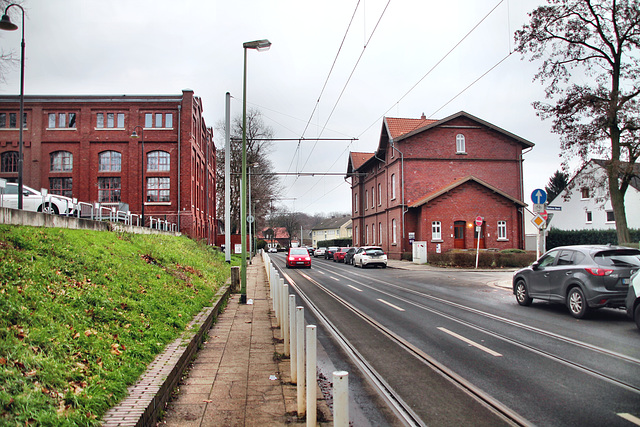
334,70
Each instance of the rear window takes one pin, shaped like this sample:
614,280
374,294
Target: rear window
299,251
375,251
618,258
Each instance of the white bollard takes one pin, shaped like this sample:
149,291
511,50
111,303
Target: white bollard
341,399
302,405
276,298
285,320
293,360
282,303
311,376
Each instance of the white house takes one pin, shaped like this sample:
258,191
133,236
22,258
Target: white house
586,205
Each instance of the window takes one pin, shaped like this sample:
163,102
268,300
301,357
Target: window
436,230
62,121
394,232
110,161
61,186
158,120
502,230
168,120
585,193
366,199
148,120
565,258
355,239
379,194
158,161
9,160
112,119
393,186
589,217
13,120
109,190
158,189
460,143
366,241
373,197
373,233
611,217
380,232
355,202
61,161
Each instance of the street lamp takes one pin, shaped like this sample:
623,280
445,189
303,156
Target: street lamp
135,135
259,45
6,24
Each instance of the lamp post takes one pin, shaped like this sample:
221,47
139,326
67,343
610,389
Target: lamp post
259,45
6,24
135,135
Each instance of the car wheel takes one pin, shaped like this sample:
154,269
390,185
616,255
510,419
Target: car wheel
48,208
522,294
636,315
384,265
577,303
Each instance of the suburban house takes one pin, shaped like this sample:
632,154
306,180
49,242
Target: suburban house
85,147
276,237
431,180
331,229
585,203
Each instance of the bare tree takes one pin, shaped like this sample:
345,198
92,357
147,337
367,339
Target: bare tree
599,116
10,59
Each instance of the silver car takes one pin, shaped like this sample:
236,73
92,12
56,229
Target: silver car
33,200
370,255
583,277
633,299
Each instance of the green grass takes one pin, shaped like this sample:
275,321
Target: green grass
82,313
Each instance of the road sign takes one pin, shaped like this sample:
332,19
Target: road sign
554,208
479,221
538,207
250,219
544,215
538,221
539,196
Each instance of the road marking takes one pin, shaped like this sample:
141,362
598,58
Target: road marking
321,272
390,305
633,419
335,278
353,287
468,341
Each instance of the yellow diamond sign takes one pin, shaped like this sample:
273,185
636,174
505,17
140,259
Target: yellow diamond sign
538,221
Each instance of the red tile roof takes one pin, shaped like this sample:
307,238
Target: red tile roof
398,126
358,159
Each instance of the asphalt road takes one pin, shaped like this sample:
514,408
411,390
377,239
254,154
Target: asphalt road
537,362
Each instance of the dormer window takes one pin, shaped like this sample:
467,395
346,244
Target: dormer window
460,144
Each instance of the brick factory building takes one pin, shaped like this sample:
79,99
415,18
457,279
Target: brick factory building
82,147
430,179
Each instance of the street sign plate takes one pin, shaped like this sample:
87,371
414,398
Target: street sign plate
538,207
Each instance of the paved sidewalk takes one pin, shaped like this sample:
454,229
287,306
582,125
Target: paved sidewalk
235,381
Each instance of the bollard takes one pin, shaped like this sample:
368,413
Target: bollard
235,279
311,376
341,399
292,337
282,305
300,357
285,320
276,298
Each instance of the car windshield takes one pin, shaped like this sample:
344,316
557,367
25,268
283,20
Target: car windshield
299,251
618,258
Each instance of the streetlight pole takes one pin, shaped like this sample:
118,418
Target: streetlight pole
6,24
259,45
135,135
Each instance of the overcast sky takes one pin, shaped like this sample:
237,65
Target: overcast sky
161,47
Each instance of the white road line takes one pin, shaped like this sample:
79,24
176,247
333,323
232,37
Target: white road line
390,305
468,341
353,287
335,278
631,418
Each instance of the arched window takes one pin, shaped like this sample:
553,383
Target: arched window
61,161
110,161
9,161
394,231
460,145
158,161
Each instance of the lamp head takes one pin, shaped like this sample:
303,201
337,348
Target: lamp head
259,45
134,134
6,24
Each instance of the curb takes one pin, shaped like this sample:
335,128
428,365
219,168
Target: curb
148,396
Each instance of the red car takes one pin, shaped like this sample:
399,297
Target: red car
298,257
338,256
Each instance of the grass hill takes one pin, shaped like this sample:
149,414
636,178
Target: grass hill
82,313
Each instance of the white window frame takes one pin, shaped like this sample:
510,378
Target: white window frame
609,221
393,186
366,200
379,194
460,144
394,232
380,233
502,230
588,217
436,230
355,202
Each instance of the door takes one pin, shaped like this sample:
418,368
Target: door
475,237
458,234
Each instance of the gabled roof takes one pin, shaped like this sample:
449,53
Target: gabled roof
332,223
357,159
280,232
396,127
455,184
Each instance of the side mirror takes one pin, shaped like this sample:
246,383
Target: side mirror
535,265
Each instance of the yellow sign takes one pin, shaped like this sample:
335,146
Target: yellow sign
538,221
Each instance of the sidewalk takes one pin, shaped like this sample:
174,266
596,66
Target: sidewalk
235,381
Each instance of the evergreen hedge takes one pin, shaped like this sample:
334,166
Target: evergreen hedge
487,259
341,243
557,237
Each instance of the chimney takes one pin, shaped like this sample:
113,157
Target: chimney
423,117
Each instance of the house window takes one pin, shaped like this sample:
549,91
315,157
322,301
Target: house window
373,197
373,233
110,120
436,230
13,122
393,186
379,194
589,217
158,189
380,232
168,120
355,202
355,236
502,230
158,161
394,232
148,120
62,121
158,120
460,144
61,186
585,193
61,161
366,241
9,160
110,161
109,190
611,217
366,199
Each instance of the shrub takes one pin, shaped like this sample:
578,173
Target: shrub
486,259
557,237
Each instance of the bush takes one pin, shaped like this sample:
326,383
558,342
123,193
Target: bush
557,237
407,256
487,259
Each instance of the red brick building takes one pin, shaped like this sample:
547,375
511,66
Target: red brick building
81,146
430,179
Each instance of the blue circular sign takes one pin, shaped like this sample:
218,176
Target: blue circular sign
539,196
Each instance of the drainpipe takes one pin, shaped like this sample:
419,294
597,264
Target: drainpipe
523,235
393,147
179,160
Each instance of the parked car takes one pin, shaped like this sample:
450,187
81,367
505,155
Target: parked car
339,255
328,254
272,250
310,250
584,277
298,257
319,252
33,200
633,298
370,255
348,256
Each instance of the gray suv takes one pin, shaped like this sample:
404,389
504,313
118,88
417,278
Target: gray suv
583,277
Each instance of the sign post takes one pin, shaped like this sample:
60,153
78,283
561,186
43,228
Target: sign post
479,221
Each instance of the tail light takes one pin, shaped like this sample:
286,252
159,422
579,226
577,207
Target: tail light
599,271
